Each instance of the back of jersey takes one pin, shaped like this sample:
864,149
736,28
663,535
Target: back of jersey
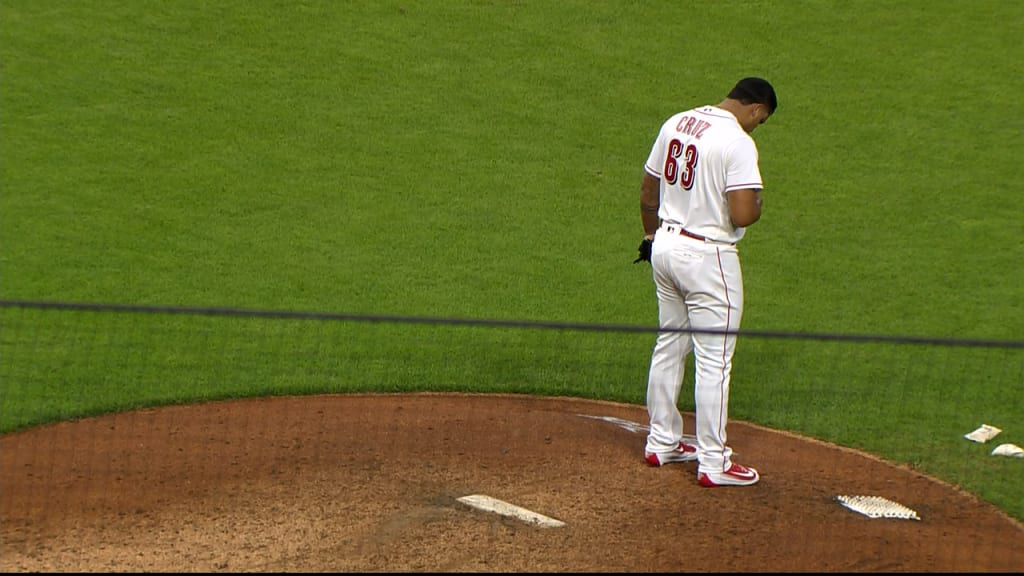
699,156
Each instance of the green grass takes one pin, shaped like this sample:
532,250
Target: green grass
481,159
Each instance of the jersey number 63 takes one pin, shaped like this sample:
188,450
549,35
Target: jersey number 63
681,171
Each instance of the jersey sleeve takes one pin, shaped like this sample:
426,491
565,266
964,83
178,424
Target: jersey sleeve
741,166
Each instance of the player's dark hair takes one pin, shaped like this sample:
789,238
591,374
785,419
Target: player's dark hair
755,91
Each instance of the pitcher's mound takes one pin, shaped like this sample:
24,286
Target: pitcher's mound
349,483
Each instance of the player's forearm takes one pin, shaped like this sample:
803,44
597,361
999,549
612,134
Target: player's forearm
649,218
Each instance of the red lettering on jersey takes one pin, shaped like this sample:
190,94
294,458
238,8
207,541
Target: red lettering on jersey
692,127
689,125
682,123
704,125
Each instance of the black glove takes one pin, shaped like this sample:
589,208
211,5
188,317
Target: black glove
645,251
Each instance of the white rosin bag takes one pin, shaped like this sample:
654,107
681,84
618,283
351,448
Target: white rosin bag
1011,450
983,434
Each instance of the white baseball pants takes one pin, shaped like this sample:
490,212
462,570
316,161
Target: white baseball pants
699,286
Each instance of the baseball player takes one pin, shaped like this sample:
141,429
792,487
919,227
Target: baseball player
701,188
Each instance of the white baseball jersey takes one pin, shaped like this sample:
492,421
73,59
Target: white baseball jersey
700,155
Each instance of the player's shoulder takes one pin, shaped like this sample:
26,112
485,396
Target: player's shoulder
713,114
672,123
674,118
687,112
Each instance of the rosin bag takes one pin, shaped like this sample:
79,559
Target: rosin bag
983,434
1011,450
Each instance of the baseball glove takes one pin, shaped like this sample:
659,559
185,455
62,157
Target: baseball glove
645,251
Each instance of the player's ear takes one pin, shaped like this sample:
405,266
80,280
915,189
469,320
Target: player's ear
761,113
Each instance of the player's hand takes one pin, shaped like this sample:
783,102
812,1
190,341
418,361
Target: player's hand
645,251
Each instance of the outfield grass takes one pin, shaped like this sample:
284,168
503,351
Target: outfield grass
481,159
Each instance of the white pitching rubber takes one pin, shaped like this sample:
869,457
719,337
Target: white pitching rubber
488,504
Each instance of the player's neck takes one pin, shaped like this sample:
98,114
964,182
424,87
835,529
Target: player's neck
733,107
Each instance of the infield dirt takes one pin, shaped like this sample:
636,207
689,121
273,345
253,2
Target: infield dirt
370,483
